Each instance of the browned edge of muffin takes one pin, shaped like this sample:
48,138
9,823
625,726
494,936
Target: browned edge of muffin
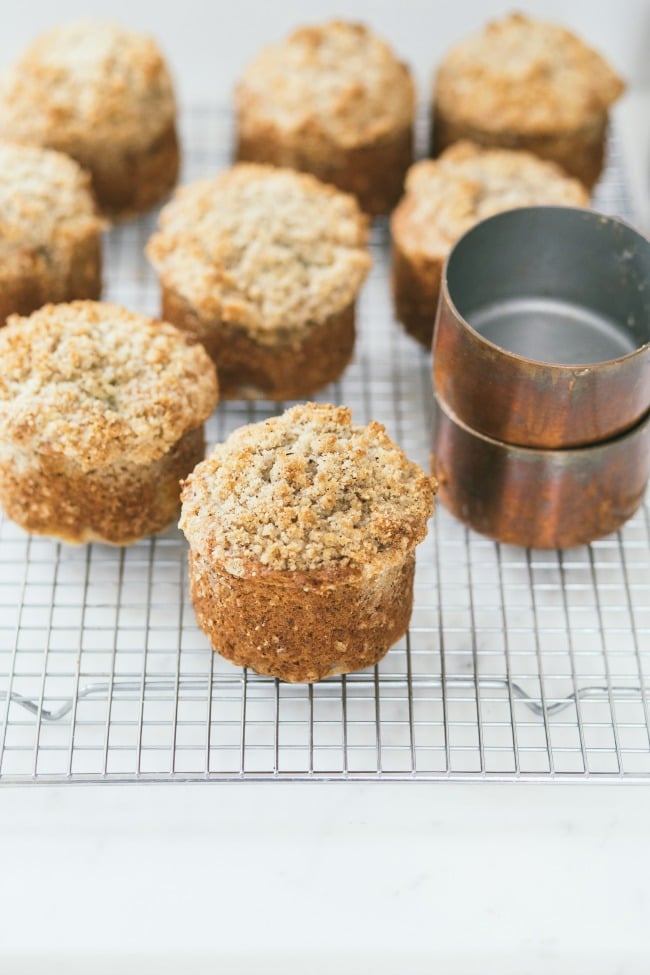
28,290
374,172
580,153
130,181
117,505
415,284
291,368
300,630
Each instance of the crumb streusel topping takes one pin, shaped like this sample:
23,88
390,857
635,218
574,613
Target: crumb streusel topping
465,184
45,202
87,81
339,78
98,384
525,75
268,249
305,491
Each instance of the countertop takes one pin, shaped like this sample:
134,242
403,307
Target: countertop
284,878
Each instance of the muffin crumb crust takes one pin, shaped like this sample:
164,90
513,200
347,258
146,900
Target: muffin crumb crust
525,75
467,183
84,78
45,201
306,491
97,384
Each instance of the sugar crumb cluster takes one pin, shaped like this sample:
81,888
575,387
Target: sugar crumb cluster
306,491
269,248
98,383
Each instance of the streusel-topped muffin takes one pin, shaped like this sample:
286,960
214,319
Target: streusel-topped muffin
104,96
302,532
264,265
527,84
50,247
444,198
101,415
332,100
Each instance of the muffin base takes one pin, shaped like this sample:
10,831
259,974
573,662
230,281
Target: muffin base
416,289
126,181
118,505
290,368
35,286
373,172
301,629
580,153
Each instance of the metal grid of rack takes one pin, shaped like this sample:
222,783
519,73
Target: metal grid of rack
518,664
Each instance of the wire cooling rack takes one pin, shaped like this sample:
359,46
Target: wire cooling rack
518,664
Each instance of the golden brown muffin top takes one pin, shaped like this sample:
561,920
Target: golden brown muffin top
87,82
338,78
268,249
525,75
307,491
99,385
465,184
45,204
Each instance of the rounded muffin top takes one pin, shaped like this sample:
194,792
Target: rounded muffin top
338,78
45,202
465,184
87,82
307,491
97,384
525,75
268,249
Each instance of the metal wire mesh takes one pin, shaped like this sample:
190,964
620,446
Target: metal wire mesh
518,664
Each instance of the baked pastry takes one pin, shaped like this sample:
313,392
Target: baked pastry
302,532
263,265
447,196
101,415
50,246
527,84
104,96
334,101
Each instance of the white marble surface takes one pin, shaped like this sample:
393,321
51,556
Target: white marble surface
281,878
245,878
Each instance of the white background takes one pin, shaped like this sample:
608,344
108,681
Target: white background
330,878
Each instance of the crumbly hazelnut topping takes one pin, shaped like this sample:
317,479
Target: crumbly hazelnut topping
87,82
268,249
448,195
45,205
100,385
337,78
306,491
525,75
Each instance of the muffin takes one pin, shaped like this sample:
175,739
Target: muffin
50,248
263,265
302,532
101,415
104,96
527,84
447,196
334,101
